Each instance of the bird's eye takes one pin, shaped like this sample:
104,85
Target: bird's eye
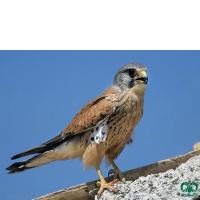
131,72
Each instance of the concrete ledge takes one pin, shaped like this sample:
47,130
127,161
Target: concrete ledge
88,190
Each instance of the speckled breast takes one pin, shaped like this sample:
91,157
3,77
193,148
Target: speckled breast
121,124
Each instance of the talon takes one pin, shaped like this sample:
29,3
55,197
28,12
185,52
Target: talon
98,184
117,174
108,186
111,171
98,196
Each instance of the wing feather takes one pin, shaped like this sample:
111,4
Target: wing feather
87,118
90,116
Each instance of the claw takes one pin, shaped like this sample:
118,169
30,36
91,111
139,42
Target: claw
98,184
117,174
104,185
108,186
98,196
111,171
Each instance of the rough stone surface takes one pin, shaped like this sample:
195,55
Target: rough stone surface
165,186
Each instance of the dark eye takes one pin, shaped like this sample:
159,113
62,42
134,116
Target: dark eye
131,72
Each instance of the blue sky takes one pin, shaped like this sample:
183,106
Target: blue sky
41,91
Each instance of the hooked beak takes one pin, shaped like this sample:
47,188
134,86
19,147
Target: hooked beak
143,77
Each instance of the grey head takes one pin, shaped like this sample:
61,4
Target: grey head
131,75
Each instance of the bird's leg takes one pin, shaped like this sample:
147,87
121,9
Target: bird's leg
116,171
104,185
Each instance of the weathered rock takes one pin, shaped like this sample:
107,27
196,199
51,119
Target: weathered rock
165,186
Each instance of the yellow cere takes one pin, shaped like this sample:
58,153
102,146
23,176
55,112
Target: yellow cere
143,73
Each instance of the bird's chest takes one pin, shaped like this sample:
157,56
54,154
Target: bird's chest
121,124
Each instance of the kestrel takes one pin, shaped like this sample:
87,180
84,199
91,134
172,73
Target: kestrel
100,129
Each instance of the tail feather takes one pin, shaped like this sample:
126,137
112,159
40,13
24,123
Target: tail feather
35,161
17,167
20,166
46,154
53,143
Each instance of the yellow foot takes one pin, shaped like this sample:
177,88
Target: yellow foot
107,186
117,174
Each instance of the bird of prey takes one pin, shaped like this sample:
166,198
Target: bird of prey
100,129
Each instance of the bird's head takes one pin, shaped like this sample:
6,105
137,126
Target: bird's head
132,76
